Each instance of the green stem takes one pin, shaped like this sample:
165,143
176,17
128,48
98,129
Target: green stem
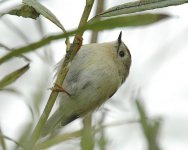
99,9
87,138
61,76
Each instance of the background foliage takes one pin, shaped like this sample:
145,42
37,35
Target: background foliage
28,85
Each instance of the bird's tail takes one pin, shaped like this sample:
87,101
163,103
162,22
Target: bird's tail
51,124
58,120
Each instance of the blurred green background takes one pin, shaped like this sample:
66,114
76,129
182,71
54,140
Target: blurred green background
157,79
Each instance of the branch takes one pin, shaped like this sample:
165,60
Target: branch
61,75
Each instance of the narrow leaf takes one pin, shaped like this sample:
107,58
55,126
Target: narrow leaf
10,78
139,6
111,23
126,21
2,141
44,12
24,11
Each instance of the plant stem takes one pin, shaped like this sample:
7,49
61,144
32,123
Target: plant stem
87,138
99,9
61,75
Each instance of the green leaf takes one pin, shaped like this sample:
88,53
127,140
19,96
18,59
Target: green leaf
10,78
139,6
24,11
33,9
111,23
2,141
126,21
44,12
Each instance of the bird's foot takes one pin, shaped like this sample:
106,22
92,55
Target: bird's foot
59,88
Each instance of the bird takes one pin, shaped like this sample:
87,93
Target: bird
95,74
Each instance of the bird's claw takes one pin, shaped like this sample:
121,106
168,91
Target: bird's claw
59,88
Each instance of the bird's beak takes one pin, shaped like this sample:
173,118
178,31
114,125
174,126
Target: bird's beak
119,38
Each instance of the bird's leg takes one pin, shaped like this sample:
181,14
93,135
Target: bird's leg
59,88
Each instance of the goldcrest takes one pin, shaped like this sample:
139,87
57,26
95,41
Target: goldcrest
95,74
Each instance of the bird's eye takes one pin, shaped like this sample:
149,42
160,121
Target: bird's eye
121,53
